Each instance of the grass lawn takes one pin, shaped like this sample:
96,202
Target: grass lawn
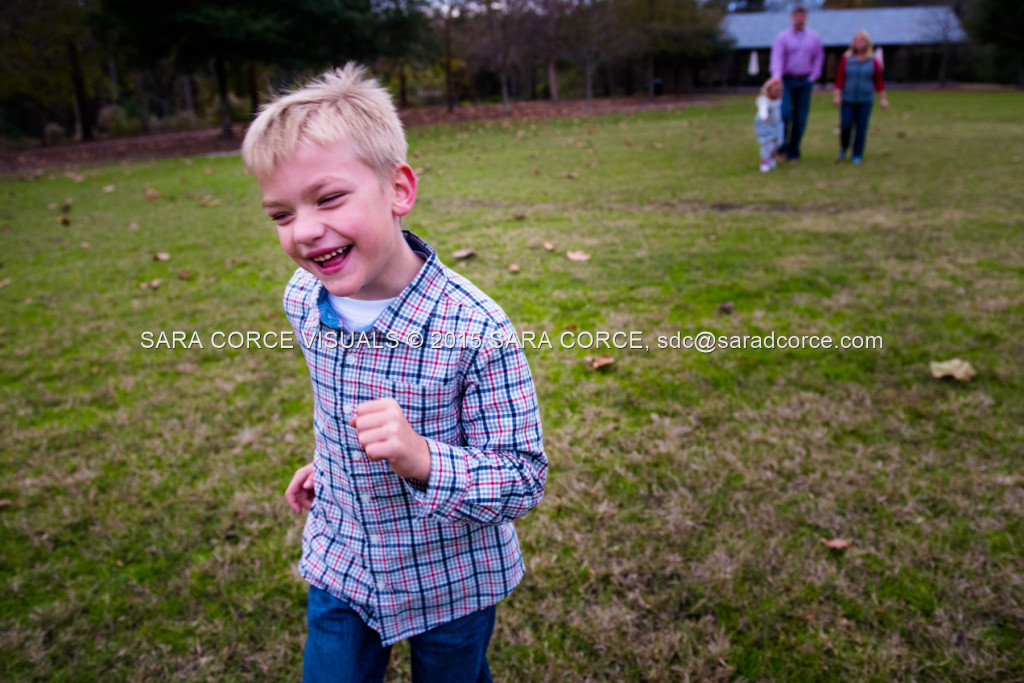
143,531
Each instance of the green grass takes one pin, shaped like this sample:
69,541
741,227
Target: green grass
146,537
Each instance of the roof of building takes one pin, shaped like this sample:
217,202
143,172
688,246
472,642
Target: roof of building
886,26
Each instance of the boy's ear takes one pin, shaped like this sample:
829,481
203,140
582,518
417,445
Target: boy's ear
403,182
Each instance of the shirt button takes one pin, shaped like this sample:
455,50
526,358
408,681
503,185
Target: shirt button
347,408
381,585
366,498
374,539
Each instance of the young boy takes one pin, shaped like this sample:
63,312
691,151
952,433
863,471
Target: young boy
428,437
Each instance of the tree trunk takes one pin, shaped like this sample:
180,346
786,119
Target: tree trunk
220,72
190,107
553,79
143,102
78,84
254,91
588,69
449,84
505,106
403,87
113,81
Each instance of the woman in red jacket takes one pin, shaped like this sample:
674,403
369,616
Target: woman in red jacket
859,76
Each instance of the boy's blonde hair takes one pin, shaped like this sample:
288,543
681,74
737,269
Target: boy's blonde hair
341,105
869,48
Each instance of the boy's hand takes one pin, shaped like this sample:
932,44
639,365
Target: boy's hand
299,493
386,434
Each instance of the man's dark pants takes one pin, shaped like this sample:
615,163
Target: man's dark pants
796,103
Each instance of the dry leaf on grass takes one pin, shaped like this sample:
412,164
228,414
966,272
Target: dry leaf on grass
958,369
108,188
836,543
133,226
85,245
6,281
464,253
549,246
152,194
577,255
518,216
595,362
572,176
513,267
6,502
161,256
184,275
209,201
726,307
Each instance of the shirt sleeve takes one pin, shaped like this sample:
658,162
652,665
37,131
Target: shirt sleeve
776,63
841,74
762,108
879,76
817,60
499,473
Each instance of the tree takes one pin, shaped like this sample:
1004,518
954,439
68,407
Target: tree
1001,23
42,58
402,30
199,32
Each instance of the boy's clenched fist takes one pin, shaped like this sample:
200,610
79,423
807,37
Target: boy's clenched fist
385,434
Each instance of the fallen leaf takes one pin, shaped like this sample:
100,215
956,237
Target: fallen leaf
6,502
572,176
65,221
6,281
154,284
536,171
152,194
464,253
5,228
726,307
595,362
513,267
958,369
440,171
208,171
836,543
161,256
518,216
577,255
52,206
184,275
549,246
821,186
85,245
108,188
133,226
143,285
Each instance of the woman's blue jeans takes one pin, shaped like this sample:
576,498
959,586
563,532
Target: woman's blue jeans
854,115
341,648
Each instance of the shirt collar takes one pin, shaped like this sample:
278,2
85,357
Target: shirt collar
410,310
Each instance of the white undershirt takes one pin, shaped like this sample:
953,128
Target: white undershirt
356,314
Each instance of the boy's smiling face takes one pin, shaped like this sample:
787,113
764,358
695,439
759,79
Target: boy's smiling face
338,221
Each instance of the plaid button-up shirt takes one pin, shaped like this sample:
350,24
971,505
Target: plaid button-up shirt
409,556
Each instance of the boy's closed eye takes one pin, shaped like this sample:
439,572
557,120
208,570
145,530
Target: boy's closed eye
331,198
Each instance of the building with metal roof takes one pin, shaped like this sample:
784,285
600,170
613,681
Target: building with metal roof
886,26
918,43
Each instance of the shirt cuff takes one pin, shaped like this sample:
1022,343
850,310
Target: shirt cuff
449,481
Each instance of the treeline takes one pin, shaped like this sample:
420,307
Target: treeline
101,68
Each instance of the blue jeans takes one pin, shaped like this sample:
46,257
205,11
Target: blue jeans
796,104
341,648
854,115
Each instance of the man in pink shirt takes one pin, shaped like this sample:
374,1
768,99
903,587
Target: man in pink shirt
797,58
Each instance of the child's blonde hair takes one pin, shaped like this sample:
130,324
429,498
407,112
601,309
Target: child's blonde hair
341,105
869,48
768,84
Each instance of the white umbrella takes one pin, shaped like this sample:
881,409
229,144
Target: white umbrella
754,67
